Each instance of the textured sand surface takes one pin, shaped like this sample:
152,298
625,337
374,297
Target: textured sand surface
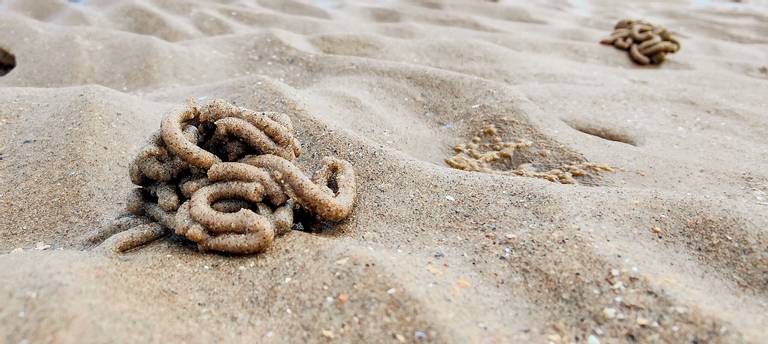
672,248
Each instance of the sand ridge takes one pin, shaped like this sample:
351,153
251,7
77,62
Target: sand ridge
672,248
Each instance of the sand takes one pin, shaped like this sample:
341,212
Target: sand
671,247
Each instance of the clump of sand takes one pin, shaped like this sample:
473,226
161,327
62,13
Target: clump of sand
487,152
646,43
223,177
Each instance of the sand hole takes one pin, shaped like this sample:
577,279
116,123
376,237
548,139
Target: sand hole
384,15
7,62
603,132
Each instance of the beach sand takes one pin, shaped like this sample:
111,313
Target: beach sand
670,247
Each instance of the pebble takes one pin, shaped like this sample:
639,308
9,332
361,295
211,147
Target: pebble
343,298
592,339
554,338
434,270
462,283
609,313
391,291
328,334
400,338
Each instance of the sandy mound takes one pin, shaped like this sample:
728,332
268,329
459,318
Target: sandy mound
669,247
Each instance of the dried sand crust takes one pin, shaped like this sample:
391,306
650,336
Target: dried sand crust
645,42
223,177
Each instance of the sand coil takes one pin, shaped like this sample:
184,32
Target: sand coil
646,43
224,177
